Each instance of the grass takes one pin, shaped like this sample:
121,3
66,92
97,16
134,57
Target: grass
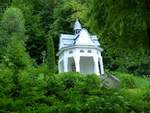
140,82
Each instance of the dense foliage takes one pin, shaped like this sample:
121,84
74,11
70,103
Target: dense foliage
123,26
36,90
29,33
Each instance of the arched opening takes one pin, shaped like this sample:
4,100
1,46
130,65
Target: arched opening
61,66
86,65
71,64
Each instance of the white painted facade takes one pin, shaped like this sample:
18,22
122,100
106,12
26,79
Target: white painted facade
80,52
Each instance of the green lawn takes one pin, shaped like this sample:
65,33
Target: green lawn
140,82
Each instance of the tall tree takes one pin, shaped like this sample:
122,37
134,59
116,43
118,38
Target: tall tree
12,23
122,29
38,16
51,55
12,39
15,57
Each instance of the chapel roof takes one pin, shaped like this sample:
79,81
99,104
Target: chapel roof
82,38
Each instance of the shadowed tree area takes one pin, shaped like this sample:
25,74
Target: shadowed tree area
124,33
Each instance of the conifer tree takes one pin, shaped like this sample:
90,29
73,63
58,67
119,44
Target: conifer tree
15,56
50,55
12,39
12,23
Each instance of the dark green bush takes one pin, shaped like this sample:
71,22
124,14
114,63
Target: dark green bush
127,80
106,101
40,91
146,99
137,100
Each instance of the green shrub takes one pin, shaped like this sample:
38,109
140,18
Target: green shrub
146,99
107,101
134,99
127,80
40,91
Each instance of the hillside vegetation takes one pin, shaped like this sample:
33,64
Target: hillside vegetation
35,90
29,35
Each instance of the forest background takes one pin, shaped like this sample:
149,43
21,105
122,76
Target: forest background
29,39
123,28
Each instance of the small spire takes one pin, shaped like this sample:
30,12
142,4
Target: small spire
77,26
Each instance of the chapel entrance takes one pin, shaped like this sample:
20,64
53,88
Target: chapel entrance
71,64
87,65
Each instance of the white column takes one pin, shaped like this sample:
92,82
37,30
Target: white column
101,65
96,68
65,63
59,68
77,63
76,57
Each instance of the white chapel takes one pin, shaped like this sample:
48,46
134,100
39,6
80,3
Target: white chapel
80,52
